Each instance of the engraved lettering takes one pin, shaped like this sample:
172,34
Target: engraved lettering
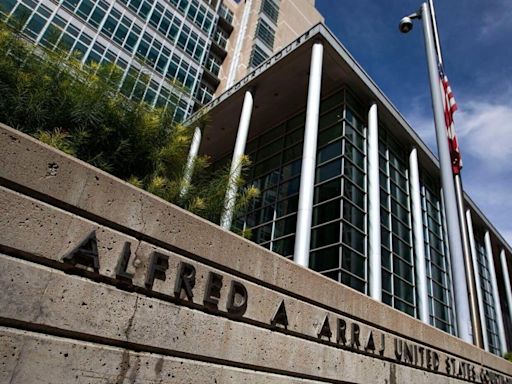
157,267
325,329
85,254
237,299
354,339
280,317
122,265
341,334
212,291
185,280
370,343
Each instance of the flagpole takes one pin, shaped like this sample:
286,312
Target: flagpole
445,164
468,264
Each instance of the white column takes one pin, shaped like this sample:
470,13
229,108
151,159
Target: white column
374,241
236,166
419,240
307,177
480,298
508,289
495,292
189,167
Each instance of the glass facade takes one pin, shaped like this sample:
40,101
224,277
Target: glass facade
437,258
398,278
160,45
339,234
484,278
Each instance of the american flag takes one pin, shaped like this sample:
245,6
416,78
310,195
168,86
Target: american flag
450,106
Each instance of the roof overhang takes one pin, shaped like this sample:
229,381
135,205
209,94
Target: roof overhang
280,87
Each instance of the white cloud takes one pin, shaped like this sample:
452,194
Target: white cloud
484,130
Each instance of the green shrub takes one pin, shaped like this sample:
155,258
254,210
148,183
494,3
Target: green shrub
79,109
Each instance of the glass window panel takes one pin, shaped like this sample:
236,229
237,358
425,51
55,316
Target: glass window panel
353,282
329,134
354,215
330,118
329,152
328,190
284,246
328,171
353,238
285,226
326,212
287,206
327,234
325,259
353,262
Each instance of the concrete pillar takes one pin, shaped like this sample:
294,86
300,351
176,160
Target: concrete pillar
374,240
508,289
495,292
189,167
236,166
480,298
307,177
419,240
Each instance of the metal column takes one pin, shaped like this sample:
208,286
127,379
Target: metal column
419,240
189,167
374,243
495,292
452,216
480,299
236,164
307,177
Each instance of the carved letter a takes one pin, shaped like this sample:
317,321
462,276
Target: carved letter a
280,316
86,254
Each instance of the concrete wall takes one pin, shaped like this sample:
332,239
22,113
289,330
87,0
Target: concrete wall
104,283
295,18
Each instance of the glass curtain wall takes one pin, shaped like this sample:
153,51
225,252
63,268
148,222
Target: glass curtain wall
398,279
437,258
339,234
160,47
484,278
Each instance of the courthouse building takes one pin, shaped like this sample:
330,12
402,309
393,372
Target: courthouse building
173,52
376,222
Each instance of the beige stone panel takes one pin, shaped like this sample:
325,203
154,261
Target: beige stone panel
295,18
41,230
25,161
66,231
73,304
32,358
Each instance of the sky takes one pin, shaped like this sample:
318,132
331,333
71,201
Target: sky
476,41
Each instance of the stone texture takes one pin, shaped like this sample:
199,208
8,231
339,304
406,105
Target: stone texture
121,213
56,360
70,305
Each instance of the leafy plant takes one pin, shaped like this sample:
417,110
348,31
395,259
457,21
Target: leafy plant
81,110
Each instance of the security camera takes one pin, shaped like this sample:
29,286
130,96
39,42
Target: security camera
405,24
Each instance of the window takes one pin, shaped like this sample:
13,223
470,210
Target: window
398,281
265,33
271,9
258,56
437,262
491,324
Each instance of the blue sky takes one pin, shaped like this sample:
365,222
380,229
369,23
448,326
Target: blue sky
476,38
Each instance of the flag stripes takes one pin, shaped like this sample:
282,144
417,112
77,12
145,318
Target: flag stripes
450,106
